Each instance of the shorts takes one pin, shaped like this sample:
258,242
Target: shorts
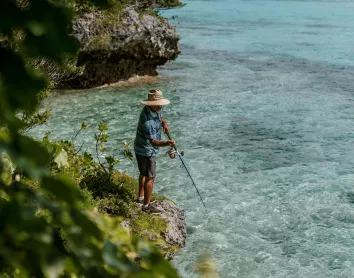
146,165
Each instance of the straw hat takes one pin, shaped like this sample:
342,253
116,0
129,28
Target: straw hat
155,97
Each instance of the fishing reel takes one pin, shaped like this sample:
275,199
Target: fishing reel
172,153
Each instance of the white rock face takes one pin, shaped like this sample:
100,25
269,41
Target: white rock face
136,46
176,232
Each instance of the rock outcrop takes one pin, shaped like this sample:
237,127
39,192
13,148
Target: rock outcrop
175,235
176,232
177,229
114,52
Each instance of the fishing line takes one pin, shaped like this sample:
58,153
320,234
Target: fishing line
172,154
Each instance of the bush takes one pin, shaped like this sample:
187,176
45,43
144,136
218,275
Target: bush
44,231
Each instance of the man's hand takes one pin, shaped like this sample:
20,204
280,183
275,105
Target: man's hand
171,143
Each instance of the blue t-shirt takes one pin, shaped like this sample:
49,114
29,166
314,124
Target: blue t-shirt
149,128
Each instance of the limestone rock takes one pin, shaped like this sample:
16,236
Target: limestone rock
114,52
176,232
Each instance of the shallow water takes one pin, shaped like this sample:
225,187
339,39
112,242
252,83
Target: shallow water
262,104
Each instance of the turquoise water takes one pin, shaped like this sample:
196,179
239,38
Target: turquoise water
263,106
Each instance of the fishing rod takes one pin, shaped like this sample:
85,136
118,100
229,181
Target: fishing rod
172,154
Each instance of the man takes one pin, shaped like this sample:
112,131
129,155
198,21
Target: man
147,143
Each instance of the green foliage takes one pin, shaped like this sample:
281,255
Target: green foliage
100,41
102,138
44,232
31,120
111,192
117,199
65,158
123,186
169,3
8,168
206,266
57,72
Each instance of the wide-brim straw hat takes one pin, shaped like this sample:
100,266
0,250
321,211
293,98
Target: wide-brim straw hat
155,97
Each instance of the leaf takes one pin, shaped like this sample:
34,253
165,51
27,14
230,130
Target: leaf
36,28
206,266
110,258
50,36
32,150
47,204
7,168
102,127
18,95
83,126
86,224
62,190
61,159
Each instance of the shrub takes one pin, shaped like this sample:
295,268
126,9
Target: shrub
44,231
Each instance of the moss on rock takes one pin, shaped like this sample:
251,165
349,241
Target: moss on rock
116,197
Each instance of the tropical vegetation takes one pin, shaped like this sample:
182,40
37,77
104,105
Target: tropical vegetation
50,225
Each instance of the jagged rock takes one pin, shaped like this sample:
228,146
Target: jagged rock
176,232
113,52
175,235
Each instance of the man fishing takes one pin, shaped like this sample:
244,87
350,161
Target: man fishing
146,146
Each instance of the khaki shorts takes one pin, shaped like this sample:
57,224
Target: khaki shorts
146,165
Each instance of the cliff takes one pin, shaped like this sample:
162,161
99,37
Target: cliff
134,44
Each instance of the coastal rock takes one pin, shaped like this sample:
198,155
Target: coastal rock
175,235
176,232
116,51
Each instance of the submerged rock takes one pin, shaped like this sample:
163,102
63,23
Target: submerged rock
116,51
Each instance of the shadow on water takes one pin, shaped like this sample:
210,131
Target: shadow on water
267,148
324,74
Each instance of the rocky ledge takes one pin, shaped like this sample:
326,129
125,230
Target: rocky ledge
171,236
176,232
114,52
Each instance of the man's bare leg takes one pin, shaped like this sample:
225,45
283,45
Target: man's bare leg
148,186
141,186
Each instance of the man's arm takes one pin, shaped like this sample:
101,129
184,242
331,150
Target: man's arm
165,127
158,143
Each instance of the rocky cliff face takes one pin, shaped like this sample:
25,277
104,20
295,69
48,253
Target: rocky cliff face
176,233
110,53
173,236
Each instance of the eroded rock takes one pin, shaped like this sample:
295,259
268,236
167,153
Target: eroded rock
176,232
114,52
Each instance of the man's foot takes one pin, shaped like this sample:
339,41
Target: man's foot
151,209
141,202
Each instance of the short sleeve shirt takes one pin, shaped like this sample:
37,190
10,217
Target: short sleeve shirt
149,128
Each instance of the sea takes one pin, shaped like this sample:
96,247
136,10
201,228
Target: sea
262,104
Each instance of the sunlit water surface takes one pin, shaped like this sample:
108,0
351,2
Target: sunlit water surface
263,106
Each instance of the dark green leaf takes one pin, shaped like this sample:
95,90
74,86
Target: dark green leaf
110,257
19,89
47,31
32,149
83,221
62,190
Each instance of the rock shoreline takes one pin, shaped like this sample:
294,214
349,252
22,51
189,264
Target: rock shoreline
175,235
109,54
